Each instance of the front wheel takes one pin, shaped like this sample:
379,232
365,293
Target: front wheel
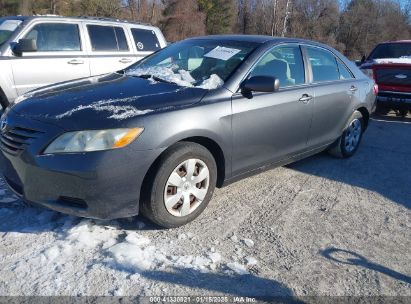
181,186
4,103
348,143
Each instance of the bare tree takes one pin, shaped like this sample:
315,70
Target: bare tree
273,17
286,17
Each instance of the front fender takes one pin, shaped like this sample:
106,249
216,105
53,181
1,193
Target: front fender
6,79
211,121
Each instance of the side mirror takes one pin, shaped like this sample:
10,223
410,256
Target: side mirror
260,84
25,45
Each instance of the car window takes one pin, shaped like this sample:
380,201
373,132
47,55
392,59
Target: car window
107,38
344,72
7,28
283,62
391,50
324,65
145,40
121,39
52,37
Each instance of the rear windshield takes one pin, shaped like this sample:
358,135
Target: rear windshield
391,50
7,28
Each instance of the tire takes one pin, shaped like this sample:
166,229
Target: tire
382,110
402,113
171,182
3,100
347,144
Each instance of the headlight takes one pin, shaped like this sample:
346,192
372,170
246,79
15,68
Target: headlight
86,141
368,72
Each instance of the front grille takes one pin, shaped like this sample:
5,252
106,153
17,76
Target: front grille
14,140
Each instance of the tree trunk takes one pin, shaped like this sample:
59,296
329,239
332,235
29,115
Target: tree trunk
24,7
273,27
286,17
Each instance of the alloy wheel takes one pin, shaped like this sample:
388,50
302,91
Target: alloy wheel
353,135
186,187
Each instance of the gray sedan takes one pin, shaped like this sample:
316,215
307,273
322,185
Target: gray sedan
159,136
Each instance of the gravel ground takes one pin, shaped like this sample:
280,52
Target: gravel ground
322,226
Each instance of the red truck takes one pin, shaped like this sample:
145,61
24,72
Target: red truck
389,64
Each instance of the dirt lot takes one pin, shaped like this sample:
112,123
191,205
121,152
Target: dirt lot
322,226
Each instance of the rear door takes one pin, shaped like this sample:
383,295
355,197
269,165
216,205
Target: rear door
60,56
335,90
109,48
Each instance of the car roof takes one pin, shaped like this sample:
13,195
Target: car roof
259,39
22,18
80,18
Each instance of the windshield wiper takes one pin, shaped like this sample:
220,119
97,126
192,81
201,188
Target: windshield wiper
156,78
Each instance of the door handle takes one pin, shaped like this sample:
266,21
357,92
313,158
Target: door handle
353,89
306,98
125,60
76,61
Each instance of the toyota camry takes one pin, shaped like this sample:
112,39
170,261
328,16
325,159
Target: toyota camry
159,136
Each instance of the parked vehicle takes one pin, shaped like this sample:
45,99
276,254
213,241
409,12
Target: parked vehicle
390,65
41,50
162,134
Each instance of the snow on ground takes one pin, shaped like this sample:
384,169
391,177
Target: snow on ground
323,226
60,250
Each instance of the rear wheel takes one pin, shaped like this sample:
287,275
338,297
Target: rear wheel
382,110
348,143
181,186
402,113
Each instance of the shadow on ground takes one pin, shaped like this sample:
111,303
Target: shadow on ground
381,164
347,257
240,285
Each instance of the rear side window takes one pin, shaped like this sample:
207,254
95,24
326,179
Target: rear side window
283,62
145,40
54,37
107,38
344,72
324,65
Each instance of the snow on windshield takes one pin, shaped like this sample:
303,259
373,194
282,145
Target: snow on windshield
178,76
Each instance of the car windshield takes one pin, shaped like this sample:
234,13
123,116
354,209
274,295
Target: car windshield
7,28
198,63
391,50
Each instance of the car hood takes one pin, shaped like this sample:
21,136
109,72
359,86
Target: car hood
108,100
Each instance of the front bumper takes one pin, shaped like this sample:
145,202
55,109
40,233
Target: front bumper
102,185
394,100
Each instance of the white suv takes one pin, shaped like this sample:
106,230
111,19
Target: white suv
40,50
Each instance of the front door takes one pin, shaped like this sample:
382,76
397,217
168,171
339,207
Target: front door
271,127
60,56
